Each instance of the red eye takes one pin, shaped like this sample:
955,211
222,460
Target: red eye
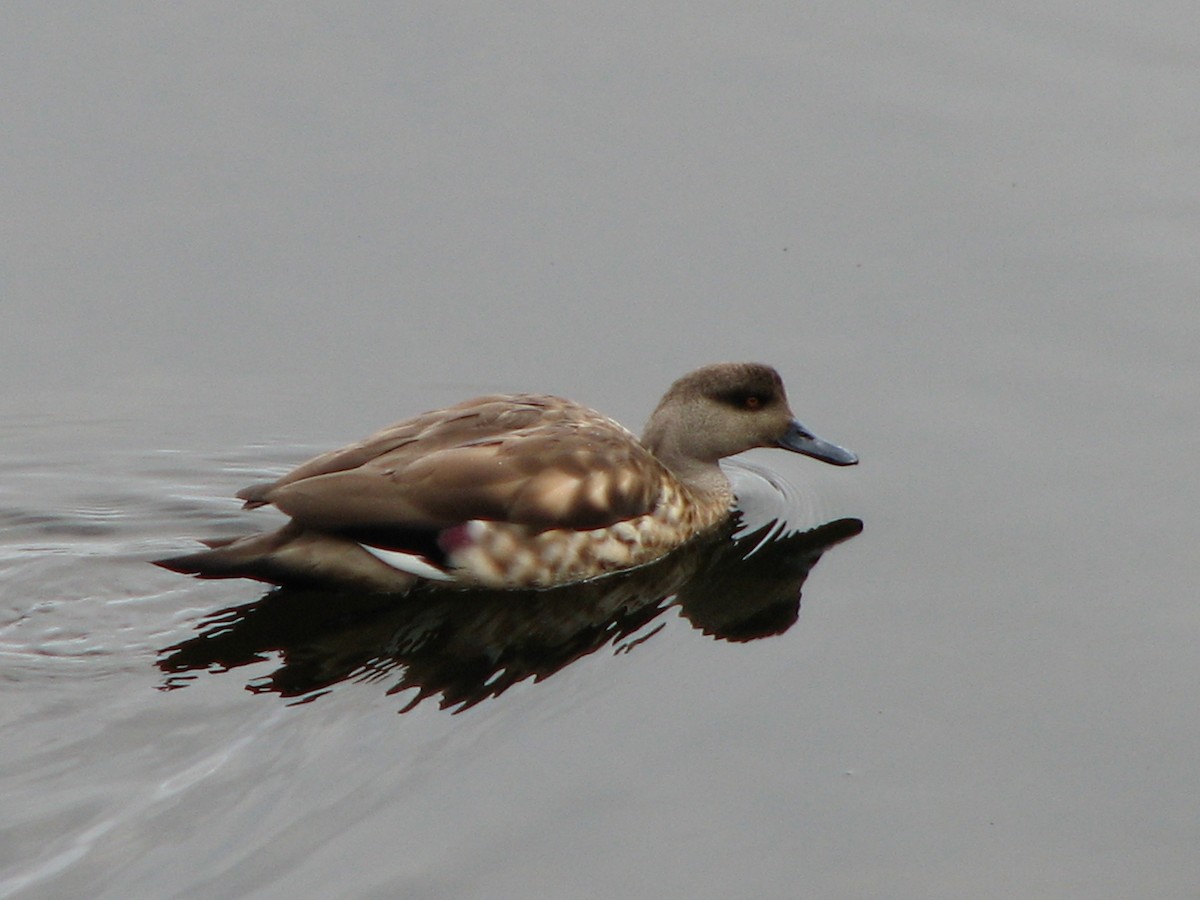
752,402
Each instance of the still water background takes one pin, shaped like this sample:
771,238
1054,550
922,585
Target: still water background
967,234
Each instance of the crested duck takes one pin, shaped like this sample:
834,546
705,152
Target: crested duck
515,491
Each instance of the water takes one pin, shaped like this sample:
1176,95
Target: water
966,236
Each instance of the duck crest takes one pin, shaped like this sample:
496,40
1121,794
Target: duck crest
515,491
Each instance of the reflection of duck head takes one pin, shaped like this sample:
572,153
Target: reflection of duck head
515,491
469,645
756,593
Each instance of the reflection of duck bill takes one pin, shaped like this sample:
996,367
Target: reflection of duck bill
468,645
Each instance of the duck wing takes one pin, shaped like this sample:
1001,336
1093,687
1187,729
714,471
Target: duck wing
537,461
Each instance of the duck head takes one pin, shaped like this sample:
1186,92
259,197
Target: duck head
727,408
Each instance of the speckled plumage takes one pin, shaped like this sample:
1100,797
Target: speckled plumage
504,554
515,491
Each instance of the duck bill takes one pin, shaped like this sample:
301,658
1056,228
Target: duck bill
800,440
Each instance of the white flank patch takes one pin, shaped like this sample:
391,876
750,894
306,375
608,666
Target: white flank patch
408,562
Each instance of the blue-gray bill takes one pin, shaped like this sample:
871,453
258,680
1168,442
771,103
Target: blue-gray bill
800,440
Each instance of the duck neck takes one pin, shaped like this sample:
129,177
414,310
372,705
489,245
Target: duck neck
703,478
709,483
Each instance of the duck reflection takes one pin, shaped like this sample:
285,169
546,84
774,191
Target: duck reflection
465,646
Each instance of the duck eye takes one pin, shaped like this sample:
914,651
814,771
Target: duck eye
752,401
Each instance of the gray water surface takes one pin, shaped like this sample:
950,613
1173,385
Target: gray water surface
966,235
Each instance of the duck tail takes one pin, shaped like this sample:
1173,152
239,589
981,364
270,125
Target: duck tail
295,557
253,556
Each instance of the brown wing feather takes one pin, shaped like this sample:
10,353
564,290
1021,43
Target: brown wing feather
534,460
481,417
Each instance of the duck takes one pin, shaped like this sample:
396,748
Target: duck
514,491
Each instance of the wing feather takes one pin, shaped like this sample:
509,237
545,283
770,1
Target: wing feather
538,461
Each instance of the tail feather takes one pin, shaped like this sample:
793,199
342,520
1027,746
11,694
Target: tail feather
292,556
253,556
255,495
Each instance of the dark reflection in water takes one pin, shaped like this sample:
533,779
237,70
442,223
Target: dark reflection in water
469,645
